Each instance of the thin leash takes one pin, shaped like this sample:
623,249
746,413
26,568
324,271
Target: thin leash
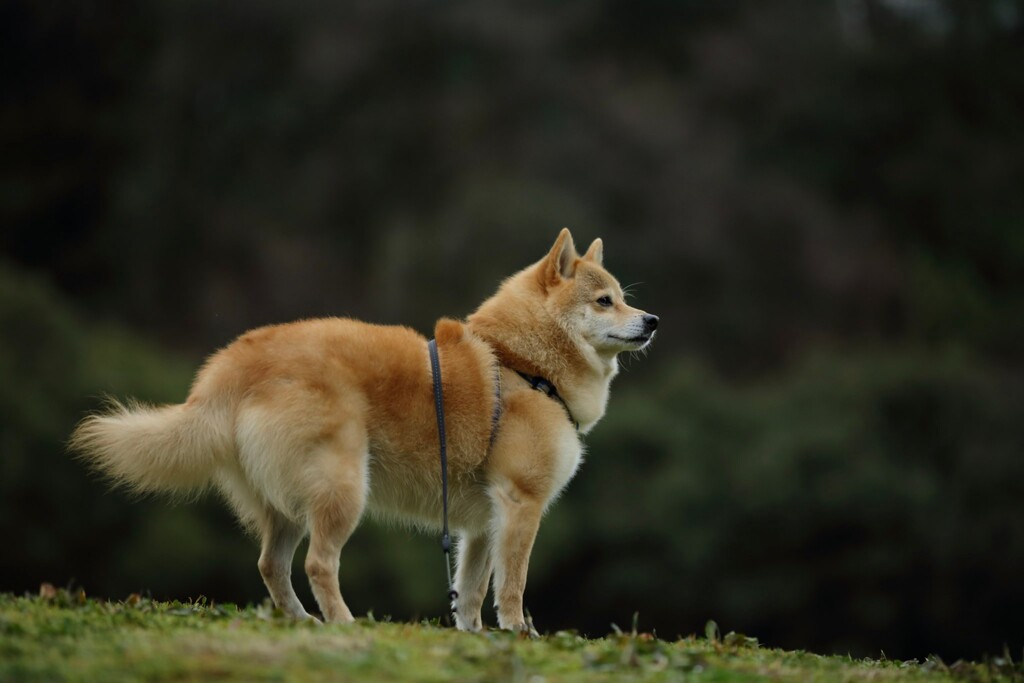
446,540
435,370
537,383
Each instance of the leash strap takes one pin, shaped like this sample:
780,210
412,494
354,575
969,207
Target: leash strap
545,387
496,415
446,541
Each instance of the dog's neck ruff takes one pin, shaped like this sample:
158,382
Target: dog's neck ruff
513,361
545,386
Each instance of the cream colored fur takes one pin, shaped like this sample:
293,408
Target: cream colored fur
304,427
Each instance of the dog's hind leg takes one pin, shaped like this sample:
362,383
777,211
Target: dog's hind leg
471,579
337,503
280,538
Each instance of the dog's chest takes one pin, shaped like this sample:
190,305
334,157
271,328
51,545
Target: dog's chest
568,456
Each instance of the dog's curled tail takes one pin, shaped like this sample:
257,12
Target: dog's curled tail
173,448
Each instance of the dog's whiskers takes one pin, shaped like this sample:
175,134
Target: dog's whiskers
627,291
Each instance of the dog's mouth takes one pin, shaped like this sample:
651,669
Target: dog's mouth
640,339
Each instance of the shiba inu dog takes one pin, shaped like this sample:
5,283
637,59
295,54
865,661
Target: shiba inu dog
305,426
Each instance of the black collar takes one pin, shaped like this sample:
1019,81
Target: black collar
545,386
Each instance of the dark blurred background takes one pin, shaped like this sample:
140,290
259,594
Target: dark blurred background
824,201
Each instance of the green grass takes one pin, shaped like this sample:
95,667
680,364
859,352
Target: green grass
64,636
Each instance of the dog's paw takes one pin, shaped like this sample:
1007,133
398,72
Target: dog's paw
468,623
524,626
299,614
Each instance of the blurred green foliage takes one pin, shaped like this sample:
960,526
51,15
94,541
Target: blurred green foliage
878,490
54,367
822,200
865,491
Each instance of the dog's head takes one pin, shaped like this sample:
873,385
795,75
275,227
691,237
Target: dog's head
588,302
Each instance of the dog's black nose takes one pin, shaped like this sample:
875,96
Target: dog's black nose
650,322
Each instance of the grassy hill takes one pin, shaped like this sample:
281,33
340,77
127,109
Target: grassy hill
62,636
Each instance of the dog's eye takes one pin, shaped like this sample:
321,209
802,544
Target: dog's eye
604,301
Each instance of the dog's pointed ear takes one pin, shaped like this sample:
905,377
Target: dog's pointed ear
560,262
596,252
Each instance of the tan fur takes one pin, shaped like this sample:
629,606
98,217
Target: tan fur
302,427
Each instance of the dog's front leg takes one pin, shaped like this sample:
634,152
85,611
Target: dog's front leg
517,518
471,578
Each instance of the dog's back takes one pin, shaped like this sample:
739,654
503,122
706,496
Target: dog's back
263,404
